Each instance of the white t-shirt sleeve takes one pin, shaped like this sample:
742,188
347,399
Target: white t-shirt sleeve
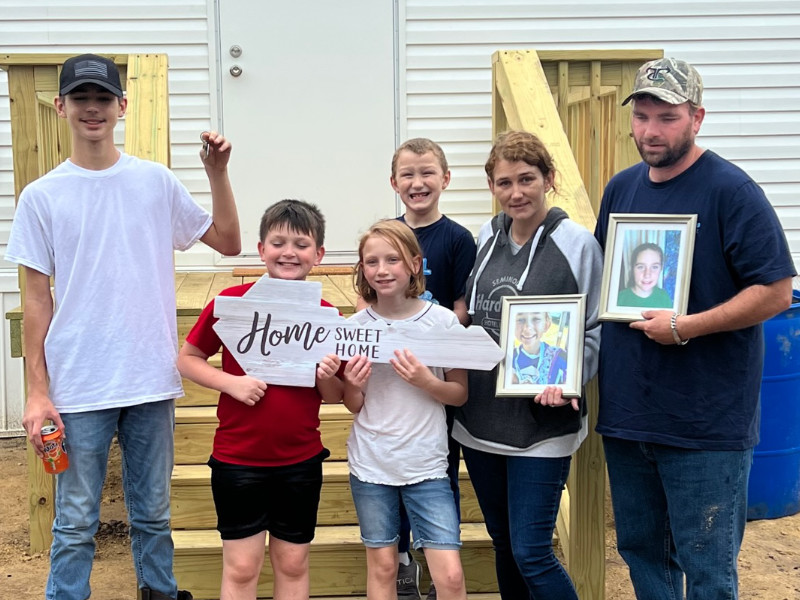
190,221
30,242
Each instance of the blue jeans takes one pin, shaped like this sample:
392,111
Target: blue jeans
453,460
679,513
519,498
431,511
145,434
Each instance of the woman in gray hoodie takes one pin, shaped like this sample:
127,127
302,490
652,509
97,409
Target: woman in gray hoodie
518,450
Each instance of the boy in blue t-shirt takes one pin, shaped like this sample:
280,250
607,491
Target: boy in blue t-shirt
419,176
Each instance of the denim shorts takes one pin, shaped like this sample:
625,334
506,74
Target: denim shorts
430,506
281,500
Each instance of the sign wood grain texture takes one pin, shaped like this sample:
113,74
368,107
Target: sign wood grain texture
278,332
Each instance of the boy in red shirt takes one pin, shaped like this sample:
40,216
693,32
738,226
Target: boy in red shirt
266,464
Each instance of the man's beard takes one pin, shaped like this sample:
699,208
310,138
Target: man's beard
667,157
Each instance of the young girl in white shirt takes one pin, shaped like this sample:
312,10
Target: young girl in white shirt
399,413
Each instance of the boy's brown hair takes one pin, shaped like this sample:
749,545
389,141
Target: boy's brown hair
401,238
297,215
420,146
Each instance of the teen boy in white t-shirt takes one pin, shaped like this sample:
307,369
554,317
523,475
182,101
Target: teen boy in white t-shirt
101,359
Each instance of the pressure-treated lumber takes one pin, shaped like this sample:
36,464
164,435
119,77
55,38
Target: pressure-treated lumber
528,105
337,562
147,122
193,506
195,426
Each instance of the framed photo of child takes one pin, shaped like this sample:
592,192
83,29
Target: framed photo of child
542,342
648,265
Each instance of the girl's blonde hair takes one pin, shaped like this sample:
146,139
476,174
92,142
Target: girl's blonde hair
401,238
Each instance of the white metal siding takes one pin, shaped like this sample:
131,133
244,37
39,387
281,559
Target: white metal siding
748,54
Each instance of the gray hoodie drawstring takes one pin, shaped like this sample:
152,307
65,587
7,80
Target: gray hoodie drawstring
484,262
524,277
479,272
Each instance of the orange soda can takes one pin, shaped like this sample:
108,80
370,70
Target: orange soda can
55,455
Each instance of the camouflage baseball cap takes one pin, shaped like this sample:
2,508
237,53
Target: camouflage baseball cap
668,79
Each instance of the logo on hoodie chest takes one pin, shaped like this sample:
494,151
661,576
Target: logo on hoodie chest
488,307
505,279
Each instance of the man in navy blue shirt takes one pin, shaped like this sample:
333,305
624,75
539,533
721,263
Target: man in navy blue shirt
679,394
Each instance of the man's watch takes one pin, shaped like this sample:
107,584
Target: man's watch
673,324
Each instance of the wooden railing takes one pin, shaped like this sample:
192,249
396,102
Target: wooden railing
40,140
52,134
571,101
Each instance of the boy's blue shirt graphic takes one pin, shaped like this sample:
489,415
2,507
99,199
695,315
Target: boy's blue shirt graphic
426,295
449,254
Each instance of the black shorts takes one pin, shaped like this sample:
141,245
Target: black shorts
281,500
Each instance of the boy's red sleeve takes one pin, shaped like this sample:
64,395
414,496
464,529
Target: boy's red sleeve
202,335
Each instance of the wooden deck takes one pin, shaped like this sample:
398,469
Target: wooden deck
193,290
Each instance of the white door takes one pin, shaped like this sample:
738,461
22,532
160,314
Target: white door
307,92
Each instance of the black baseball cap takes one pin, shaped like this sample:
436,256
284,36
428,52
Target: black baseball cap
89,68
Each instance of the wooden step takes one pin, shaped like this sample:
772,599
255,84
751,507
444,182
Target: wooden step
195,426
337,562
195,394
192,504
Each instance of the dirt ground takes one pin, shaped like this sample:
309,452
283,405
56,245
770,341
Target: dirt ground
769,565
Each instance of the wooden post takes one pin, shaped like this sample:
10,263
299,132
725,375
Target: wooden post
147,121
499,121
625,152
595,141
587,486
529,106
22,94
563,92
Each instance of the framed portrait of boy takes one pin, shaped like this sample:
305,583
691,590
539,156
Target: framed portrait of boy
647,266
542,342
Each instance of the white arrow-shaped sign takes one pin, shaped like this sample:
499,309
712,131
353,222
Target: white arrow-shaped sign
278,332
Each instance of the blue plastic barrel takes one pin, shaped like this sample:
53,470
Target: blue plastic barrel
774,489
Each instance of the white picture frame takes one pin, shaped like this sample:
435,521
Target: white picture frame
634,244
542,342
